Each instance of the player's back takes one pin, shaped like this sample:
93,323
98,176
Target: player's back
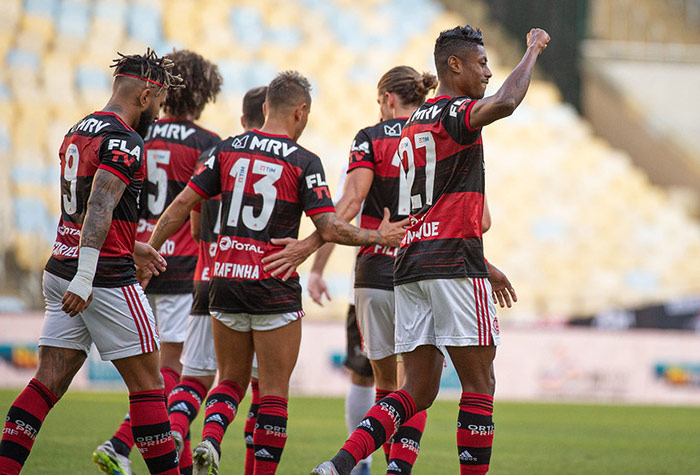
173,147
443,158
375,148
101,140
266,182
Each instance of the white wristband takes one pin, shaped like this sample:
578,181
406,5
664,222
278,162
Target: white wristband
81,285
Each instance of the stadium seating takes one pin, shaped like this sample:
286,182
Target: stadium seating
576,226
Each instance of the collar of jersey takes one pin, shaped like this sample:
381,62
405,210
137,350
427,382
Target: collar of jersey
271,135
117,116
433,100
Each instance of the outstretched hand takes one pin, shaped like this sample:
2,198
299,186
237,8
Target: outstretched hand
392,232
503,291
285,262
148,263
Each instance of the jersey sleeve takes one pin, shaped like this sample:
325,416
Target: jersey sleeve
456,121
361,152
207,176
314,194
121,154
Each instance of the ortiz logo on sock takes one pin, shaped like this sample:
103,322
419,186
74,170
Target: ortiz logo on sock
277,431
481,430
393,414
151,440
410,444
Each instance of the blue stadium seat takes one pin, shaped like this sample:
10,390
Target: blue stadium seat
144,23
92,78
73,19
247,26
41,7
110,10
23,59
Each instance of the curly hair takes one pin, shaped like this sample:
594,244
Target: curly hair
157,72
453,42
410,85
203,83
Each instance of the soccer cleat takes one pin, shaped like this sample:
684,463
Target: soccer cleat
111,462
205,459
325,468
179,442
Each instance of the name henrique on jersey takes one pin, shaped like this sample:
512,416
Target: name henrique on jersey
210,221
376,148
266,182
99,141
172,149
444,163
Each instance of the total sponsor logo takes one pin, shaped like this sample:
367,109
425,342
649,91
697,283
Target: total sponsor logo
227,243
426,230
144,226
60,249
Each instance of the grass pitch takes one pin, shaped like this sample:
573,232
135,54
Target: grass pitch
530,438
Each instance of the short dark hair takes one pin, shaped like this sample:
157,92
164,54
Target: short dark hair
411,86
155,71
288,89
453,42
203,83
253,101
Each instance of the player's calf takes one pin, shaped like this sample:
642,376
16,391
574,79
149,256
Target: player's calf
475,430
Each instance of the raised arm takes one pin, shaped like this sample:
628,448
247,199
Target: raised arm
510,95
173,217
107,190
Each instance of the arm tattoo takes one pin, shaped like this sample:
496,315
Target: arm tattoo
334,229
107,190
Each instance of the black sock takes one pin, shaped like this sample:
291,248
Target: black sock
120,447
344,462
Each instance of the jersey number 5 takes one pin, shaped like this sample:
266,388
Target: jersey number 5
158,177
422,140
264,187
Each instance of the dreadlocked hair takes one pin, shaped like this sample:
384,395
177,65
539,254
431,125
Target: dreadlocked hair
203,84
411,86
157,72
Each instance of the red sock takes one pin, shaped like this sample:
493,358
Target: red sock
270,434
406,445
378,396
184,403
221,408
170,379
186,457
151,429
379,425
250,428
22,425
475,433
124,434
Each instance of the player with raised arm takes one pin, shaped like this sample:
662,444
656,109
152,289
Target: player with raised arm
198,356
90,281
266,180
442,282
173,145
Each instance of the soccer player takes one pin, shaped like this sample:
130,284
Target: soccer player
441,279
173,145
90,282
266,180
198,356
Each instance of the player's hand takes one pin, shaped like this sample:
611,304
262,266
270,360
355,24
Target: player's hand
148,260
392,233
317,288
73,305
285,262
538,39
503,291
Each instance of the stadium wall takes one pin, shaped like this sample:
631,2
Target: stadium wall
545,364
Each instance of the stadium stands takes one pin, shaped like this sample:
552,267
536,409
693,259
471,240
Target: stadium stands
576,226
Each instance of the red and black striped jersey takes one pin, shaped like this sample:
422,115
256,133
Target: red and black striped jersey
444,163
102,140
209,218
375,148
266,181
172,149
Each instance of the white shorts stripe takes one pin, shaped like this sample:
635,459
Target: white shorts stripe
477,302
136,319
144,328
149,328
484,312
487,317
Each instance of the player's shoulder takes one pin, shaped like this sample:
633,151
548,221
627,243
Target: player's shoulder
100,123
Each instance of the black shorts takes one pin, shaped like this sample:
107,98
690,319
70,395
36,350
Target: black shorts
356,359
